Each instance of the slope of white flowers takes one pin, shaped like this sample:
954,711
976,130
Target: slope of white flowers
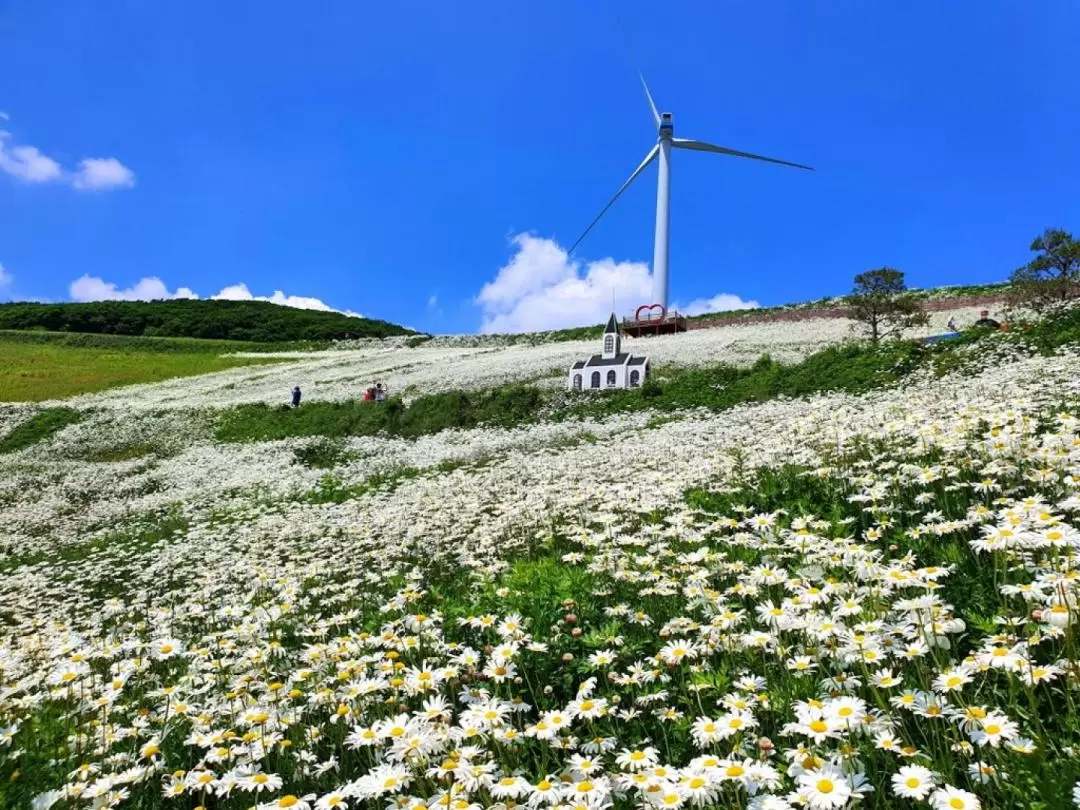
270,648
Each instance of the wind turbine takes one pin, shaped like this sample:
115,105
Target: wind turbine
665,142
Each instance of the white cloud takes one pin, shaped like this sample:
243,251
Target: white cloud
240,292
540,289
722,302
4,116
92,288
100,174
433,301
5,277
28,164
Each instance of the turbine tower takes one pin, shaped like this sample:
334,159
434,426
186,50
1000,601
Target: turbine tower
665,142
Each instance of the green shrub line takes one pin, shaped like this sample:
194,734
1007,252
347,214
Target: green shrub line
37,428
504,407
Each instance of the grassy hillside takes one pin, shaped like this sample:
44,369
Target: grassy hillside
853,368
42,366
258,321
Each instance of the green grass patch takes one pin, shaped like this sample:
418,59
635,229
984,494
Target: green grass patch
323,454
332,489
37,428
38,369
504,407
166,345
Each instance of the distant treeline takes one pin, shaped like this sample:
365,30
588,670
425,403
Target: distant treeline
258,321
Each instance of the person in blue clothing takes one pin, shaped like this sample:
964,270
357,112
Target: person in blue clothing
296,397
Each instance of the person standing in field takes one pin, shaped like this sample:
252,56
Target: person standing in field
380,392
296,397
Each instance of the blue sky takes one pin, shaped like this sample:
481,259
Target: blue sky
428,163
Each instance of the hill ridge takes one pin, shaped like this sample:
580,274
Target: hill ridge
253,321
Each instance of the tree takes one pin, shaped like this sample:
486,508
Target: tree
1051,280
880,302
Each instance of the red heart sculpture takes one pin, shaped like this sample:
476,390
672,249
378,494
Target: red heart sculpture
650,308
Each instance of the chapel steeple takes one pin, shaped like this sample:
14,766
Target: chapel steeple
612,338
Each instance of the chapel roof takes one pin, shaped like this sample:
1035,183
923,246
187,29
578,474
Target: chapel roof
599,360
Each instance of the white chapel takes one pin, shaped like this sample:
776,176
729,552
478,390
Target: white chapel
612,368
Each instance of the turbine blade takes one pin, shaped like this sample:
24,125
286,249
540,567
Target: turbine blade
701,146
652,104
648,159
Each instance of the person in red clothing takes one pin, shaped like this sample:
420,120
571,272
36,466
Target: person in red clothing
369,395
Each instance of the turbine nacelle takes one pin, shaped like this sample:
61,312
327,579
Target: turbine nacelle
666,126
